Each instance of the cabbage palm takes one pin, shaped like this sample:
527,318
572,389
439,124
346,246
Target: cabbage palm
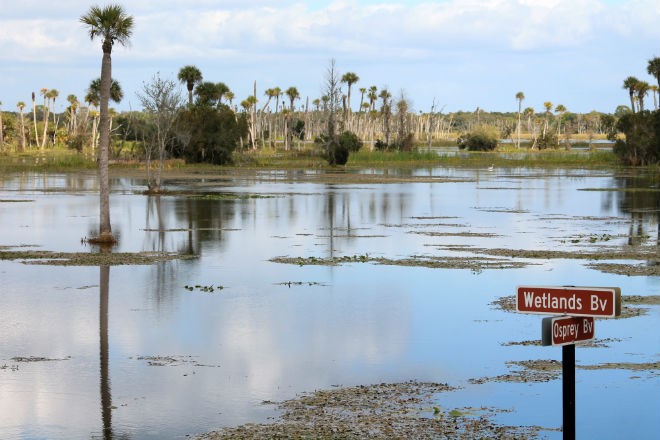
21,105
630,84
642,89
560,109
349,78
654,68
293,94
520,96
190,75
112,25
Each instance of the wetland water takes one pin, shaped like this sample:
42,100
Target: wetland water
303,282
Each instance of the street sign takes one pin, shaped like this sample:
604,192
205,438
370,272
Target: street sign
564,330
603,302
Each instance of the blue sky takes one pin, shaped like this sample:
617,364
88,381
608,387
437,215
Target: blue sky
463,54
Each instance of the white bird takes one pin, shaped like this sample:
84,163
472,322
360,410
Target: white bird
490,168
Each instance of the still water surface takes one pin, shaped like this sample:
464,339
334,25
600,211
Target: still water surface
130,352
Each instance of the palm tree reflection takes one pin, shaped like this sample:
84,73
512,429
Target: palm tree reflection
106,397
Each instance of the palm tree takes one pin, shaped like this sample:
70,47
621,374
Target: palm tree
642,90
222,88
277,92
73,108
548,109
207,93
349,78
34,118
21,105
560,109
630,83
654,68
519,97
112,25
93,98
363,90
190,75
52,95
373,96
44,93
293,94
229,96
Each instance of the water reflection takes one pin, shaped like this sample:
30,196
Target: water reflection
639,196
260,338
106,396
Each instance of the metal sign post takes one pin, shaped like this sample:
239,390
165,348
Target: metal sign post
582,304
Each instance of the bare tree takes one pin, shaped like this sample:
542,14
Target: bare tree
161,100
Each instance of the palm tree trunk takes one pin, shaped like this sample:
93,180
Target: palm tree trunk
105,231
34,117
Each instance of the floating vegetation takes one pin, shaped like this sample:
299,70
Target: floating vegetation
456,234
399,410
231,196
591,238
204,289
172,361
37,359
506,210
14,201
593,343
476,265
300,283
627,269
92,259
627,253
526,371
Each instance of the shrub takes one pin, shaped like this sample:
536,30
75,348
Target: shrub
350,140
642,138
482,138
337,154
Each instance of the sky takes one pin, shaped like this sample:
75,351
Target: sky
453,54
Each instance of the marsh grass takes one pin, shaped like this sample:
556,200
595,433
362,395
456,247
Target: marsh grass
307,156
50,160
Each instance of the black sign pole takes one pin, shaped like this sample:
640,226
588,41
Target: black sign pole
568,390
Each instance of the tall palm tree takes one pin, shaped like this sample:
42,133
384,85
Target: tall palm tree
293,94
349,78
642,90
34,118
654,68
207,93
548,109
520,96
373,96
21,105
229,96
221,89
52,96
277,92
112,25
190,75
560,110
73,109
44,93
363,90
630,84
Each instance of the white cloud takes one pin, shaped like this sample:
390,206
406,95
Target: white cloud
290,41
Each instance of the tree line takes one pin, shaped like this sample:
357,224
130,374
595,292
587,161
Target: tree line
640,127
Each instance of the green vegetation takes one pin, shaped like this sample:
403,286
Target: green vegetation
482,138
